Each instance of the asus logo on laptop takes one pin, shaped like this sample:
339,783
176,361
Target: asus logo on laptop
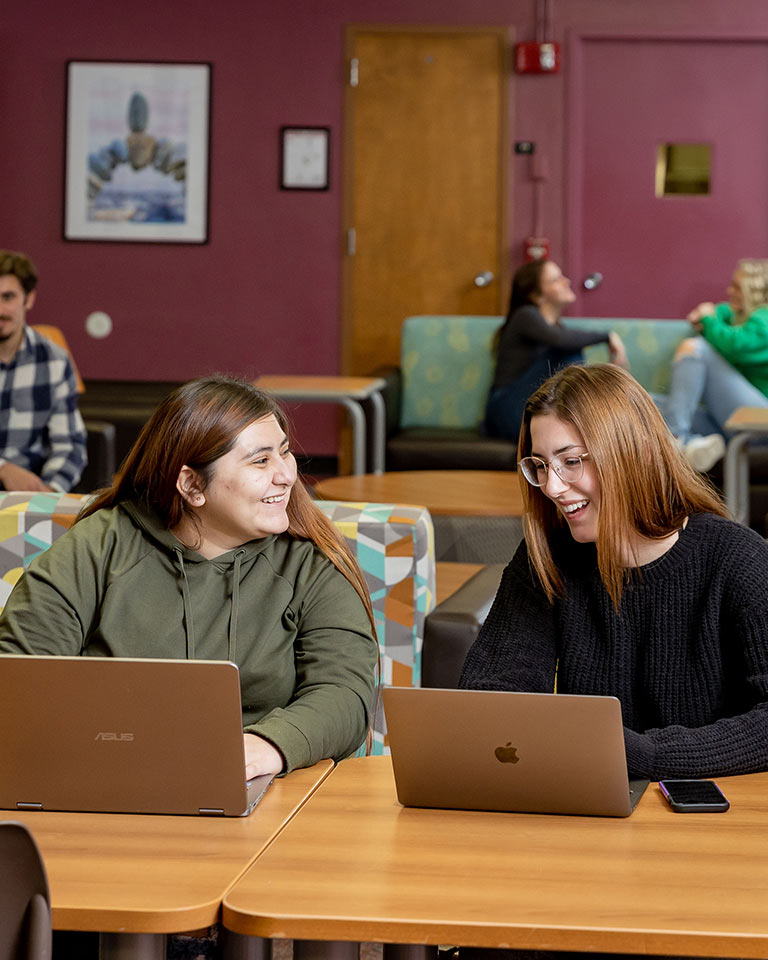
113,736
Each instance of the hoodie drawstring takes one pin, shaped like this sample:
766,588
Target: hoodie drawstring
232,637
188,621
234,608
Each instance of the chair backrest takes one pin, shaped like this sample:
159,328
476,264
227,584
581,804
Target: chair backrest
650,345
25,905
55,335
395,548
447,368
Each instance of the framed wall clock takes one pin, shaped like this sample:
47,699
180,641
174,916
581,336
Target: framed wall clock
304,158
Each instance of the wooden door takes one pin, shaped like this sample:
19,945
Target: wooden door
424,190
661,255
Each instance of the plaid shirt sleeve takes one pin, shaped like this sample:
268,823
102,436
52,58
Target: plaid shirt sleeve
40,426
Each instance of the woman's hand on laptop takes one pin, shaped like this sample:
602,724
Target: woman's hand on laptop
261,756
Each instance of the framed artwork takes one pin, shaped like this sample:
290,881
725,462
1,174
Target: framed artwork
304,156
137,151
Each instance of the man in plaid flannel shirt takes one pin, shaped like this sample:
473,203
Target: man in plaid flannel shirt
42,435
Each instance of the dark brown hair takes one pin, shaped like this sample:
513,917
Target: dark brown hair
526,283
20,266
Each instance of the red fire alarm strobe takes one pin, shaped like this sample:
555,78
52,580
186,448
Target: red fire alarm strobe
537,57
536,248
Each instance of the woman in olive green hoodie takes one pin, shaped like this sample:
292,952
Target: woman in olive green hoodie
207,546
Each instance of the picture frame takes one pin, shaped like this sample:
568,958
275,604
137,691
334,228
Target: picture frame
137,151
305,158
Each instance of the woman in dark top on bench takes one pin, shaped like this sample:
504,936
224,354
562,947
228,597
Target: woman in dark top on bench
532,344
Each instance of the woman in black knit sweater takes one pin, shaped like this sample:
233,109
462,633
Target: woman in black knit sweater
631,582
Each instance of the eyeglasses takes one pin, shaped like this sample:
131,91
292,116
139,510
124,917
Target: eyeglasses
569,468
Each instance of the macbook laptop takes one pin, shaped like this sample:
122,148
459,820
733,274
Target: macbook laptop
516,752
109,735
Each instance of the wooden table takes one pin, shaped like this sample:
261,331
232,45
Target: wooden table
349,392
450,576
354,865
470,493
744,423
136,878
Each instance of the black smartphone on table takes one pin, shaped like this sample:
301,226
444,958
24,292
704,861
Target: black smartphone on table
694,796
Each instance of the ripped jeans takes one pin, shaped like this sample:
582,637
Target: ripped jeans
705,377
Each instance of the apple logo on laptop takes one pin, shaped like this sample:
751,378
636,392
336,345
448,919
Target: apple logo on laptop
507,754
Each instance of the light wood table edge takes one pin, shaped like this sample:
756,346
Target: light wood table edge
172,920
511,936
329,770
338,925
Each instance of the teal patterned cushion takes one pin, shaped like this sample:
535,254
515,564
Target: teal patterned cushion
650,346
446,367
447,362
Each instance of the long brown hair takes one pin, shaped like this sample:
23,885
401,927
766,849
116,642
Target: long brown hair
646,485
195,425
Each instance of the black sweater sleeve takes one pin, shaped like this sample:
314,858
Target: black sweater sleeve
516,648
530,325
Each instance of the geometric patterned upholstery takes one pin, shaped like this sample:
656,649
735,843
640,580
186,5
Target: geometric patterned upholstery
29,523
447,362
394,546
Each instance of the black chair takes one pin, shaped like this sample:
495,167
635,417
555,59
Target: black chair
25,905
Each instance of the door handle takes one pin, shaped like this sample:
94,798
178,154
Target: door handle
484,279
593,281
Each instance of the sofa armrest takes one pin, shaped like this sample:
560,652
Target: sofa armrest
452,627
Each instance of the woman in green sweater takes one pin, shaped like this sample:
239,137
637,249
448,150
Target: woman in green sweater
723,369
207,546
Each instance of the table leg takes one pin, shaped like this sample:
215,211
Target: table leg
239,946
736,477
378,419
409,951
357,418
132,946
326,950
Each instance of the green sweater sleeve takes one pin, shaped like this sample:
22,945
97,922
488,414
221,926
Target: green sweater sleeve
741,344
336,655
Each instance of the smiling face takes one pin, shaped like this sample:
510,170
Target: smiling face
579,502
248,494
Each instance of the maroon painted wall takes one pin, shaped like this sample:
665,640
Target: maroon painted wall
264,293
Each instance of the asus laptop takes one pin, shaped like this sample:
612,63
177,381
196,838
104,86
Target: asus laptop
109,735
516,752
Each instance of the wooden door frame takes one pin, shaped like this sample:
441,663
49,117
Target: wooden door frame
574,132
505,36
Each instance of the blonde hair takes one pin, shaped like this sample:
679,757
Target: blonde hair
646,485
754,284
